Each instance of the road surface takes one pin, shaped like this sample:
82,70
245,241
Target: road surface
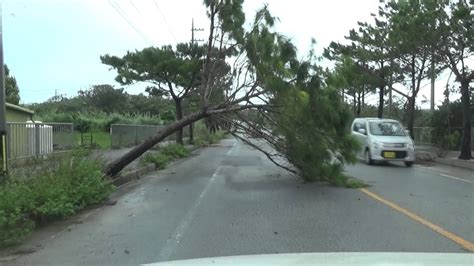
230,200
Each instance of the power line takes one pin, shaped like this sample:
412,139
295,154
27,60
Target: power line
129,21
134,6
165,20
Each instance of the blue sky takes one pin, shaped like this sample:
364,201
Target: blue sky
54,45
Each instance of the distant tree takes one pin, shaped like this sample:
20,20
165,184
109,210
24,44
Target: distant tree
370,49
106,98
456,46
172,72
355,82
151,105
413,37
445,121
12,92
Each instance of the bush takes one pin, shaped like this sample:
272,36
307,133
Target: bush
166,154
446,119
15,205
158,159
448,143
98,121
199,142
175,151
57,192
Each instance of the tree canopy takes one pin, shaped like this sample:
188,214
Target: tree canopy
12,92
407,43
258,70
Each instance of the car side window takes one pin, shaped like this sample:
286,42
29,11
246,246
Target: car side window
356,127
359,125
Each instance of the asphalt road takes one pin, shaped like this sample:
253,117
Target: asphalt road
230,200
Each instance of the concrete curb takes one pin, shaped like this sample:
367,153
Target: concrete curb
133,175
425,156
456,163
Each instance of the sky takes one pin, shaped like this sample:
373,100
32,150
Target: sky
54,46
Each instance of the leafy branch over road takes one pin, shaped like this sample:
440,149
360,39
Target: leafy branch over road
251,70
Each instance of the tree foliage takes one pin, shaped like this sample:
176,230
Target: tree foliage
306,122
408,42
414,38
172,72
456,46
12,92
105,97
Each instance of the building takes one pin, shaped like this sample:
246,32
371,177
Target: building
15,113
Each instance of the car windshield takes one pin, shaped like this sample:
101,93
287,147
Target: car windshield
386,129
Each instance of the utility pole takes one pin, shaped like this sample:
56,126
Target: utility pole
433,79
390,102
3,122
193,29
193,40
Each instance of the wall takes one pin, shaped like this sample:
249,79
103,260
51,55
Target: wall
13,115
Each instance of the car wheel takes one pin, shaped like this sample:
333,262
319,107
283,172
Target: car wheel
368,157
408,164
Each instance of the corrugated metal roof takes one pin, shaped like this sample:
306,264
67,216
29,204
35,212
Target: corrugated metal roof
19,108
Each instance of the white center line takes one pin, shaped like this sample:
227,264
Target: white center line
177,235
457,178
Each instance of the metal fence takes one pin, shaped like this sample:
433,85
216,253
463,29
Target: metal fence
122,135
424,135
34,139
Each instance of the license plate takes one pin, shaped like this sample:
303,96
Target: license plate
389,154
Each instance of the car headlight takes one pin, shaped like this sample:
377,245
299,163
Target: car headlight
375,145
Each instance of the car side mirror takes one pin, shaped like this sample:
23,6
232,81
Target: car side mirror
362,131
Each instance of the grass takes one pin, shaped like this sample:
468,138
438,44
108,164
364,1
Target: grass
354,183
205,139
101,139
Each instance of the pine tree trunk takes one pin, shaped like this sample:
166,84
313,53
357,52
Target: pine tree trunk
363,99
466,121
411,116
358,105
116,166
179,116
191,133
354,105
381,101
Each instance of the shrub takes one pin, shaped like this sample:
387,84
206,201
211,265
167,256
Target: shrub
98,121
166,154
448,142
175,151
158,159
57,192
216,137
199,142
15,204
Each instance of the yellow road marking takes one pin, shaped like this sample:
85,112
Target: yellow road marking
457,178
457,239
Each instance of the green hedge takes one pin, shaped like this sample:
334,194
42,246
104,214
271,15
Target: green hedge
98,121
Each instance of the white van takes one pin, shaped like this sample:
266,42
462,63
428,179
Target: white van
383,140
